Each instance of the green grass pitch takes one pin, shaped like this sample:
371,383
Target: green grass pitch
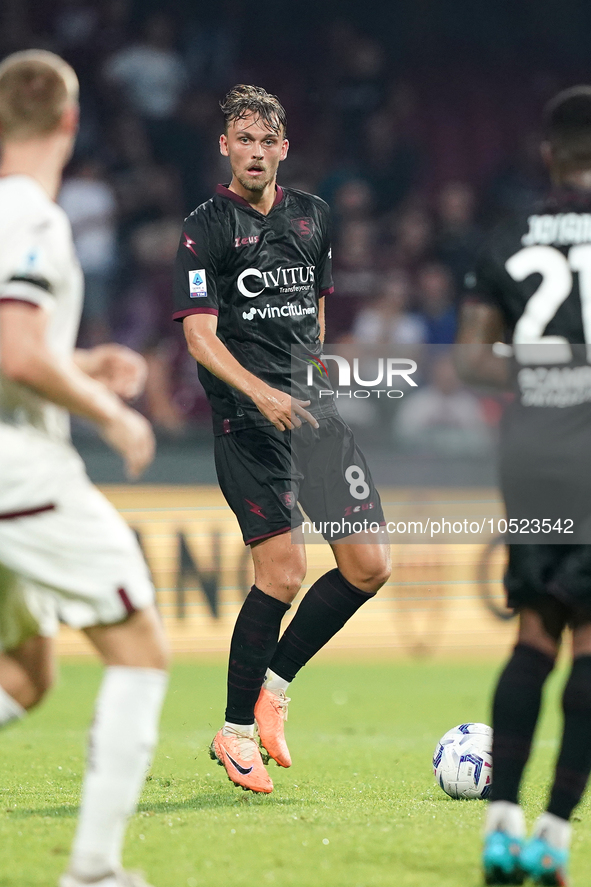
359,807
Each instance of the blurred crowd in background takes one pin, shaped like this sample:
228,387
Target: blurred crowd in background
417,154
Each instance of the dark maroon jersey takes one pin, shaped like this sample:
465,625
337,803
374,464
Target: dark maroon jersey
262,276
536,269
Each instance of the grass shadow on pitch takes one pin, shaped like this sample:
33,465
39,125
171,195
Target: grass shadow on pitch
210,801
200,801
64,812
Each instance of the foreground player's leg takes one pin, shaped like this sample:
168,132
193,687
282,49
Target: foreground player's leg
122,740
329,603
279,566
516,709
503,843
545,857
271,714
26,674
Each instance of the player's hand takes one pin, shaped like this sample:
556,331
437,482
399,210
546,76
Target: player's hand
284,411
122,370
131,435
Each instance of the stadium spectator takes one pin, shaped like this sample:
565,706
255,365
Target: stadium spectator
412,233
353,200
150,74
144,325
387,321
183,146
392,160
210,45
402,162
112,27
435,298
354,276
518,182
359,90
75,24
458,236
89,201
442,417
146,191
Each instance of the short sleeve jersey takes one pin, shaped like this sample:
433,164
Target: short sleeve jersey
38,266
536,270
262,277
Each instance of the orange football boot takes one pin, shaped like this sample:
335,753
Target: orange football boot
270,714
239,754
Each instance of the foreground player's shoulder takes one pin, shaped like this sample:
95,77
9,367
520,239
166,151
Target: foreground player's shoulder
23,201
31,222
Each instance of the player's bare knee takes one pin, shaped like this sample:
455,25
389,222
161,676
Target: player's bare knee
538,630
280,568
293,584
40,686
370,574
280,581
375,581
138,642
153,649
381,576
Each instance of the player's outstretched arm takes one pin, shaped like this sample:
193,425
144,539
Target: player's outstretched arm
282,410
122,370
480,327
25,358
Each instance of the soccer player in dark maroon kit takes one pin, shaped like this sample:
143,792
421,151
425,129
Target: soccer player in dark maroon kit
531,288
252,272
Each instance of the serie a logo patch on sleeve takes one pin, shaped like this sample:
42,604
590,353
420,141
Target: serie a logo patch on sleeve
197,284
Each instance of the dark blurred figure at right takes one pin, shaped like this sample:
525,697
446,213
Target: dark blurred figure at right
532,291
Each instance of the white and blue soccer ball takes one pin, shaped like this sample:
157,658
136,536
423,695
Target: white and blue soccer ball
462,761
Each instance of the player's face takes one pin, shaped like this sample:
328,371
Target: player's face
254,151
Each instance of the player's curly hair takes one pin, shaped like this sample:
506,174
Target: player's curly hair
568,127
243,100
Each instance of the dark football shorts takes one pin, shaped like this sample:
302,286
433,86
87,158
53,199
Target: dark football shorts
264,473
557,564
562,572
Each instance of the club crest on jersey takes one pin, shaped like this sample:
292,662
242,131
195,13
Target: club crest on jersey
288,499
304,227
197,284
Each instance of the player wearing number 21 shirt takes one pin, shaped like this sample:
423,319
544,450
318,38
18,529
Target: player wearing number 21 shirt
532,290
252,272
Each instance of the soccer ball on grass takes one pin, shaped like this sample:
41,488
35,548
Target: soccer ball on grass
462,761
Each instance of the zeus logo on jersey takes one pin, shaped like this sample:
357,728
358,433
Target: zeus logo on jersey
270,311
253,282
197,284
